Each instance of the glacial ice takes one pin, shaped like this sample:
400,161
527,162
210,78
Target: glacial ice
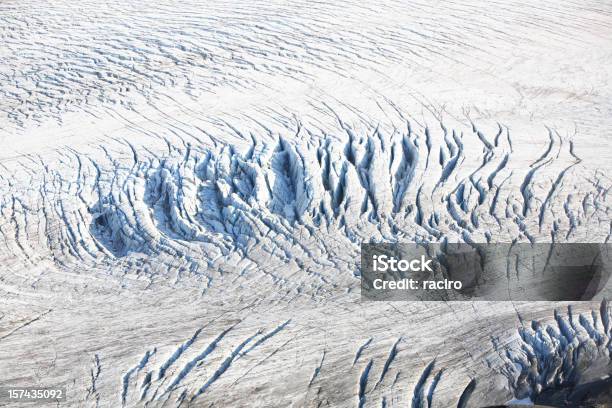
184,189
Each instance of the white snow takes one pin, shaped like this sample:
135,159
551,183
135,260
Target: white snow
184,187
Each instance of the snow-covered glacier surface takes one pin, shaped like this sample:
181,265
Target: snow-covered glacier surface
185,187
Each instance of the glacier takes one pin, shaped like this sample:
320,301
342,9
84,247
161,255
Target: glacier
185,187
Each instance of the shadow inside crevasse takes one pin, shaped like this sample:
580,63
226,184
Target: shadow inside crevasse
597,393
592,394
100,228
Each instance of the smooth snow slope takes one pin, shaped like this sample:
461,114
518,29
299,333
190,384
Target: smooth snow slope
185,186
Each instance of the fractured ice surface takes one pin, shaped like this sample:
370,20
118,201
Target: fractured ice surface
184,189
